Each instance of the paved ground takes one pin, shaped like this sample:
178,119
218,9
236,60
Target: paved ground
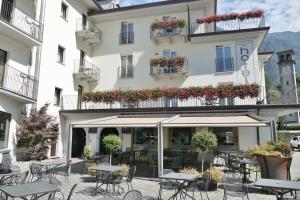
150,188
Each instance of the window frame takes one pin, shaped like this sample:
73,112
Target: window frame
64,11
128,33
6,118
59,55
224,57
57,101
126,66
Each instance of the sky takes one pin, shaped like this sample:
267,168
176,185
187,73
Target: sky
281,15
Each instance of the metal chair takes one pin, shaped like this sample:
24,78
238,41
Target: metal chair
37,171
63,171
133,195
166,185
71,192
234,186
130,177
254,168
204,184
22,178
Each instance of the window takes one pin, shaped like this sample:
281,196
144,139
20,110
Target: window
126,66
180,137
224,61
170,68
64,11
61,55
127,35
4,129
226,136
57,96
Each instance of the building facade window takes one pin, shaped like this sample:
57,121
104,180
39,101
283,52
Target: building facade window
224,60
57,96
227,137
127,34
126,70
4,129
169,68
61,54
64,11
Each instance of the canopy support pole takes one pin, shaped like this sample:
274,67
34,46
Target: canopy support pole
69,150
160,151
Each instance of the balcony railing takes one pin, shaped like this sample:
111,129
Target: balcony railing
126,71
224,64
86,70
157,34
21,21
71,103
18,82
126,38
169,70
229,25
88,31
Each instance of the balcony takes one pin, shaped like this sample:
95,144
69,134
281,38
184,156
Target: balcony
86,71
229,25
224,64
170,35
70,102
88,32
176,67
18,85
125,72
18,25
126,38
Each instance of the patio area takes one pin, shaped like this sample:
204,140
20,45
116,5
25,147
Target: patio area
150,188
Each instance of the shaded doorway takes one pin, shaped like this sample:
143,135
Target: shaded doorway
105,132
78,142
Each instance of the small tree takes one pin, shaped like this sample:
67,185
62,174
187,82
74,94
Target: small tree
37,132
204,140
112,143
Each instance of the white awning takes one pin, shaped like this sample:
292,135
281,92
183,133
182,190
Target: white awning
121,121
215,121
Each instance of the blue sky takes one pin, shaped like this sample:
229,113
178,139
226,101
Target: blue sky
281,15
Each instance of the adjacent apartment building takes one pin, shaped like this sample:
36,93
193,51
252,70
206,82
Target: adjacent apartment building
89,46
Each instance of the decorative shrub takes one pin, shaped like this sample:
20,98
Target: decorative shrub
172,22
216,175
87,151
190,170
231,16
91,168
204,140
123,172
37,132
209,92
271,149
177,61
112,143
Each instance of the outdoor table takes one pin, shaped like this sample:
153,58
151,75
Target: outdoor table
6,176
107,169
181,181
279,187
33,190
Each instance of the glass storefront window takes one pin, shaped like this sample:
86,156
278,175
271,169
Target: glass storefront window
4,129
227,138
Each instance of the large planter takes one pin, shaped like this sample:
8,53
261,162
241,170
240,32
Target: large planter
212,186
275,167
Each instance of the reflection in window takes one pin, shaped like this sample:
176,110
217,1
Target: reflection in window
145,137
180,136
226,136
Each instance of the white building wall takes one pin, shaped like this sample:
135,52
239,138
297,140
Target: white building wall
265,135
247,137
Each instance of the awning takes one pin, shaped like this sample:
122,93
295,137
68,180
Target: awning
215,121
121,121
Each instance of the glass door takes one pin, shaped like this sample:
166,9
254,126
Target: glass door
3,56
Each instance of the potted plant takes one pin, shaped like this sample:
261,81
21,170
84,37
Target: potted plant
204,141
190,170
112,143
216,177
274,159
87,152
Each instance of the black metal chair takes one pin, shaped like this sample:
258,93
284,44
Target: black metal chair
166,185
133,195
234,186
37,171
71,192
130,177
62,171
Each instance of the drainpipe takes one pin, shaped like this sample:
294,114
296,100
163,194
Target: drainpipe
189,20
160,151
257,131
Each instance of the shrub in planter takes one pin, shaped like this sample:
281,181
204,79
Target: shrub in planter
87,152
216,177
91,167
112,143
123,172
190,170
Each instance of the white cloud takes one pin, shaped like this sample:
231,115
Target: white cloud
281,15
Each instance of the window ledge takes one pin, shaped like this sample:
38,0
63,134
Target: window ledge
224,73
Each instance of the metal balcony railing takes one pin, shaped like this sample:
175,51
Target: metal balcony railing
229,25
70,102
126,38
168,33
126,71
18,82
169,70
89,31
87,69
21,21
224,64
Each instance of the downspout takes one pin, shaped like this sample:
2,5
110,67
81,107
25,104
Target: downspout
257,130
189,20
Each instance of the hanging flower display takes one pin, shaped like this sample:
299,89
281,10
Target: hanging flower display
169,23
231,16
177,61
208,92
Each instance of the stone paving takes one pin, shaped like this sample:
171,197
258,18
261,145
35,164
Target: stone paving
150,189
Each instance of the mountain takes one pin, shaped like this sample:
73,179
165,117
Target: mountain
280,41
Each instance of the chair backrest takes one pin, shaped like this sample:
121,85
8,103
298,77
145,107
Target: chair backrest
133,195
104,159
23,177
6,159
71,192
35,169
131,174
233,182
53,181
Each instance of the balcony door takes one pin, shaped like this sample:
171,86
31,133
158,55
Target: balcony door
3,56
81,60
127,66
127,33
223,59
7,9
170,54
84,22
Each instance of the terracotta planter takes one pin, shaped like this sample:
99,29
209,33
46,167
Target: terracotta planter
275,167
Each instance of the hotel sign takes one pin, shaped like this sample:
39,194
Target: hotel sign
244,62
